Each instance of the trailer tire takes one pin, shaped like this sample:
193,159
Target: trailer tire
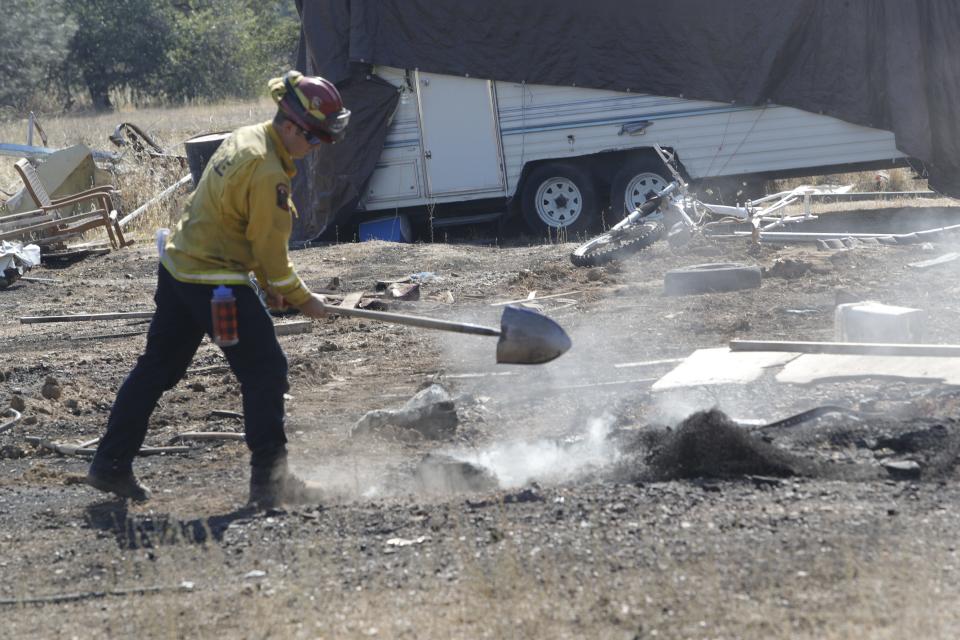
711,278
559,196
635,183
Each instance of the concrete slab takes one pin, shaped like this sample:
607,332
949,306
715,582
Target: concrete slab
822,367
721,366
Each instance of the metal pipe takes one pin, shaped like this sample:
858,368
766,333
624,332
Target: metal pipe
29,151
849,348
154,200
6,426
813,236
82,317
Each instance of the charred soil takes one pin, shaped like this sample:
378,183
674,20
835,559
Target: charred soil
562,500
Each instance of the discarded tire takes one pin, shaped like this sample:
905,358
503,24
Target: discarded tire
711,278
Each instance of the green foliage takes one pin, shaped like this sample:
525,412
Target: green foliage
119,44
206,57
228,48
177,50
274,36
34,35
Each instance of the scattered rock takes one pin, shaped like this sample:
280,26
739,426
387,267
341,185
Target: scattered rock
17,403
829,245
787,268
51,389
932,439
903,469
11,451
327,345
528,494
431,412
406,542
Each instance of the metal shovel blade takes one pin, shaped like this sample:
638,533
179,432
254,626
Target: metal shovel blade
527,337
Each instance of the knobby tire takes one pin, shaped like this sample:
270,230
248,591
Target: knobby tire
607,246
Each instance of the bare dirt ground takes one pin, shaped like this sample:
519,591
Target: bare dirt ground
568,524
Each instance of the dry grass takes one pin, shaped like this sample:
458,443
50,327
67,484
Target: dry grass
864,181
901,179
169,127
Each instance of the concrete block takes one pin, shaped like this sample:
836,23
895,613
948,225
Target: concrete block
876,322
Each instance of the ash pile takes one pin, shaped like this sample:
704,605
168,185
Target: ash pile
710,445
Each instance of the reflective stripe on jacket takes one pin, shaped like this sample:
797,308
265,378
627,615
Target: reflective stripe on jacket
239,218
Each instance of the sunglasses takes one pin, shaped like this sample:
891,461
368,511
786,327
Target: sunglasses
309,137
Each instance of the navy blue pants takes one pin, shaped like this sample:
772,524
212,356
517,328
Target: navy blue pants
179,324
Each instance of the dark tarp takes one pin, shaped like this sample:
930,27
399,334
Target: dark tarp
331,180
889,64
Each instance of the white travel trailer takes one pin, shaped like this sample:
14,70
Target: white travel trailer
475,150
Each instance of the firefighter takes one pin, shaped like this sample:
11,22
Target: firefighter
237,221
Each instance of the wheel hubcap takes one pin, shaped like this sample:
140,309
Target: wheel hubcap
641,188
559,202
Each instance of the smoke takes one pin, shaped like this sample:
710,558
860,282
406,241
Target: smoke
548,460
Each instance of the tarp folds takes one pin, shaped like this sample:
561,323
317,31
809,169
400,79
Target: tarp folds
888,64
330,181
15,260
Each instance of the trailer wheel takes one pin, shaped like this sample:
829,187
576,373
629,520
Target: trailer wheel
635,183
559,196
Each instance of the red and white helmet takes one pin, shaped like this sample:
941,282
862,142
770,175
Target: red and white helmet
312,103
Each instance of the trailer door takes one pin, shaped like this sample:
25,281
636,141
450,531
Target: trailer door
461,140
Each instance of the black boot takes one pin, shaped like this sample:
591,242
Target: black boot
272,486
123,485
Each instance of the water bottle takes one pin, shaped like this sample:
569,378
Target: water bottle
223,306
162,235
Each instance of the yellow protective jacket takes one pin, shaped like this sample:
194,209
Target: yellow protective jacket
239,218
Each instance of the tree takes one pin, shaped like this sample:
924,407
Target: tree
160,49
34,37
275,33
206,56
228,48
118,43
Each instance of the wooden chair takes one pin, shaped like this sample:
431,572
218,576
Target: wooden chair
47,226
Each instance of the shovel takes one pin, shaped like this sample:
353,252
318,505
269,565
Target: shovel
526,337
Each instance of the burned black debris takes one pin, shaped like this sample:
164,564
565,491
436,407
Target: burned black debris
709,444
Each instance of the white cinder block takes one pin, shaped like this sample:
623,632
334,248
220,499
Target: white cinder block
876,322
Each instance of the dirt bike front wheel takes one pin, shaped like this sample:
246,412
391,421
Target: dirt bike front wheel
615,245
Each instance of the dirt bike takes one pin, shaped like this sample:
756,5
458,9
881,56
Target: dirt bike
687,216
